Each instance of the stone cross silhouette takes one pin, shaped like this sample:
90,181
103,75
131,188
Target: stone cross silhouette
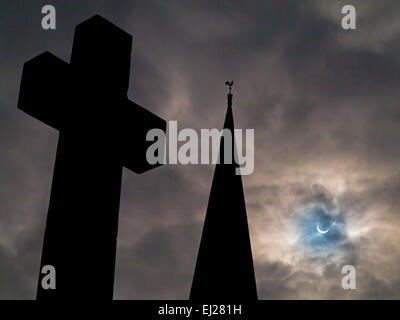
100,132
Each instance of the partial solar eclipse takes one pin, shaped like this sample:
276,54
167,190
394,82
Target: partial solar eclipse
322,231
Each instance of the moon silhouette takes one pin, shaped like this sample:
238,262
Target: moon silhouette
322,231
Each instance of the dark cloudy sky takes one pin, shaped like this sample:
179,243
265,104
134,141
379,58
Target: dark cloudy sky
324,104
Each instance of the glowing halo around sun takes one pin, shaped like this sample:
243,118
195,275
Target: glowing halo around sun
320,229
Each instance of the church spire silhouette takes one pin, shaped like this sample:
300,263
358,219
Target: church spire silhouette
224,268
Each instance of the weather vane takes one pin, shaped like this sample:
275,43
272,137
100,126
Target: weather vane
230,84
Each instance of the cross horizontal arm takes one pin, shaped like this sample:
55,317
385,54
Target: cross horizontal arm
44,89
136,123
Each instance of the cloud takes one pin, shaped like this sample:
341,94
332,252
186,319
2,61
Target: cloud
160,265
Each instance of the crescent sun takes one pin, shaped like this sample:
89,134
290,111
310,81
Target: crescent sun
322,231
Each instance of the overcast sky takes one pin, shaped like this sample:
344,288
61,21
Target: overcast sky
324,104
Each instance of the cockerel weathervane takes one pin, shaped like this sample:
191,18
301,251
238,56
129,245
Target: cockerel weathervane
230,84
